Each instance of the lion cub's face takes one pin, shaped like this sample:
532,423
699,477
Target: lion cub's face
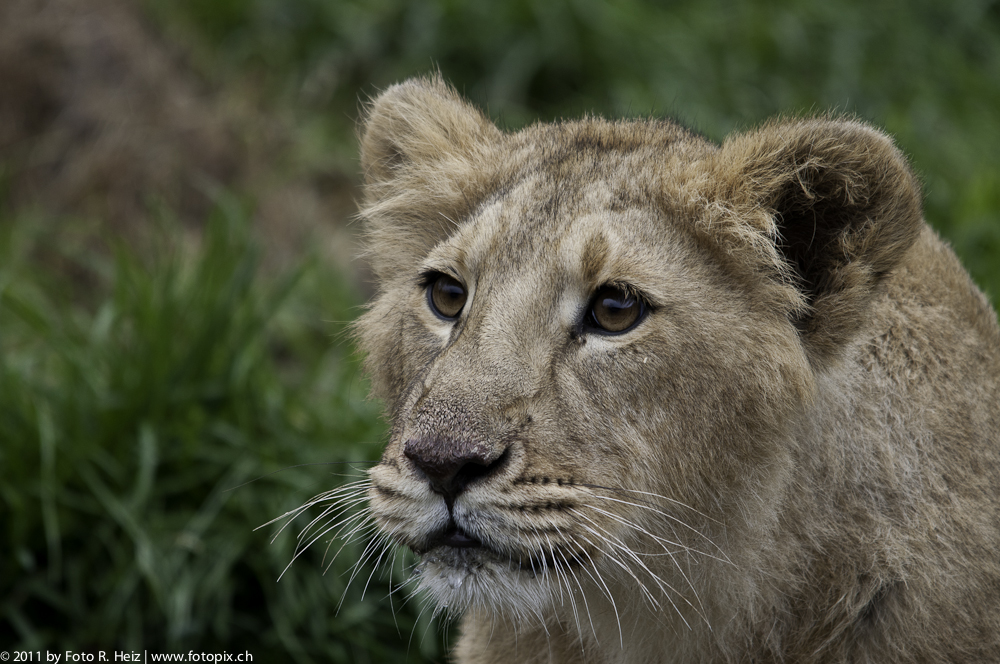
588,362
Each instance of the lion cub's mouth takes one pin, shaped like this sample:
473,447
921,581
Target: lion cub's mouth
455,537
451,536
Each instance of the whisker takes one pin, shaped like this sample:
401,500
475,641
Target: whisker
303,537
666,515
302,548
379,541
386,547
653,495
564,574
315,500
659,541
338,510
661,584
358,531
344,499
611,555
298,465
599,580
425,603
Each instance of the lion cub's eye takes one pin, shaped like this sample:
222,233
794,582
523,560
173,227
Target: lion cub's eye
446,296
615,310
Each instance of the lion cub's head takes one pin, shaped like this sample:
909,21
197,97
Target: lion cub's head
594,338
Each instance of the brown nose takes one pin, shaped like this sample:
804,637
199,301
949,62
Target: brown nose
451,467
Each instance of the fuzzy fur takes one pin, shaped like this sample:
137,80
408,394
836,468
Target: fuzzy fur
793,458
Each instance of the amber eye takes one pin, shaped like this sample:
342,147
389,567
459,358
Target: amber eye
446,296
615,310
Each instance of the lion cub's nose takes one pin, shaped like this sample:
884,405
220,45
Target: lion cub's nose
451,467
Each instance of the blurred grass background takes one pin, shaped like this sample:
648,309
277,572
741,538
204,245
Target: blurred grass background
176,180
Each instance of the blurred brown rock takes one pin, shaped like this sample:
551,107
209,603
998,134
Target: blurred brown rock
102,118
98,117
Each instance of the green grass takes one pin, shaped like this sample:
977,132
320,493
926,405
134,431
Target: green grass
130,428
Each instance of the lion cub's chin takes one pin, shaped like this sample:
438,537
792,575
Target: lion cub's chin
462,579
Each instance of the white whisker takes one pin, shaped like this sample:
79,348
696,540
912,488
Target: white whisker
599,580
668,516
660,541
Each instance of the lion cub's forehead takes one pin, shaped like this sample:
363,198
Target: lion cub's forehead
561,237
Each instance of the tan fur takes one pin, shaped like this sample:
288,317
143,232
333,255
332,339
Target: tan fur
793,457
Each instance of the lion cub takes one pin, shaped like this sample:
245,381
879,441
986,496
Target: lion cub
655,399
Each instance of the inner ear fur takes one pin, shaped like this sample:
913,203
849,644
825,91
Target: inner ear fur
838,206
426,156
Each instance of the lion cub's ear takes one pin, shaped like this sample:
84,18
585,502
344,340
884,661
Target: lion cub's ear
426,155
838,206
